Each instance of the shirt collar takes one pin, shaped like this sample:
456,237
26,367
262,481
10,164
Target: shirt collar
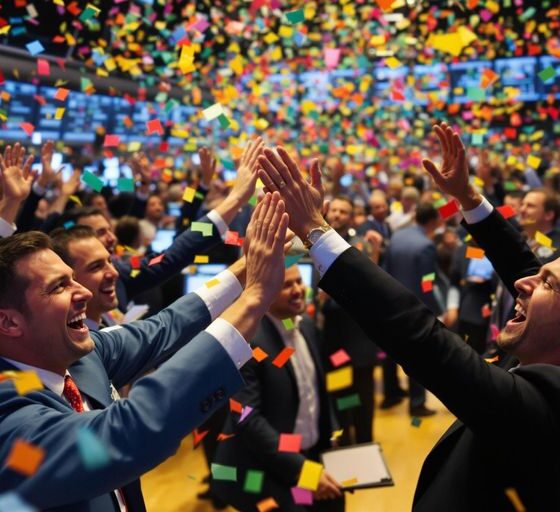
51,380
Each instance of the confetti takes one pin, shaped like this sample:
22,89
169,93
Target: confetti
339,379
310,475
339,358
253,481
474,253
282,358
302,496
25,458
203,227
199,258
92,451
221,472
259,354
289,443
348,402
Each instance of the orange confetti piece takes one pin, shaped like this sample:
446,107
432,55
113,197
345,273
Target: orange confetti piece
267,504
235,406
223,437
474,253
259,354
282,358
198,437
25,458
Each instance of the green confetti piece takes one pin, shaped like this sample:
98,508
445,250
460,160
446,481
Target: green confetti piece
477,139
510,185
529,13
476,94
415,421
295,16
125,184
228,164
224,121
220,472
199,195
203,227
348,402
429,277
92,181
253,481
93,453
440,202
253,201
547,73
292,259
288,323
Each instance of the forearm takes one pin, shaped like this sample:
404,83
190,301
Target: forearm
245,314
59,204
9,209
229,208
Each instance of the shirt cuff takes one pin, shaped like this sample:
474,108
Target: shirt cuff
6,229
216,219
219,293
40,191
232,341
479,213
327,249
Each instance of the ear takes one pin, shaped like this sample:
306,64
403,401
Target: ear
548,216
11,323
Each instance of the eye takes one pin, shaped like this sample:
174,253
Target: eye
547,285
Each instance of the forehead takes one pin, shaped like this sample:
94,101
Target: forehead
41,267
534,198
86,250
553,267
339,204
95,222
292,273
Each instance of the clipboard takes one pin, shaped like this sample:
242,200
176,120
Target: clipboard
361,466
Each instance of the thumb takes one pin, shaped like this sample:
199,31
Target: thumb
432,170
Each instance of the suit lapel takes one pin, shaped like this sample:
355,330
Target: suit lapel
89,382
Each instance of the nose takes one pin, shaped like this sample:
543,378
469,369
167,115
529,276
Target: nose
111,272
81,294
526,285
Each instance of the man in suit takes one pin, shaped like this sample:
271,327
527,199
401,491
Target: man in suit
287,400
411,256
506,441
340,331
42,309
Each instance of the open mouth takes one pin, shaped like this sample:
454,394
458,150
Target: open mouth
77,322
520,314
109,290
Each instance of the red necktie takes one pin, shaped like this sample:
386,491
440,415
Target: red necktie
72,394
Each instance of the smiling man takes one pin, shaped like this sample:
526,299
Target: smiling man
93,267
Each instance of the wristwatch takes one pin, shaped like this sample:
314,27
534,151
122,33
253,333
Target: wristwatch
315,234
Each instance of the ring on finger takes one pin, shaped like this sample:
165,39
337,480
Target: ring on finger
281,185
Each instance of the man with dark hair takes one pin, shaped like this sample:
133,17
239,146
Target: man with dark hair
44,333
93,268
538,215
411,256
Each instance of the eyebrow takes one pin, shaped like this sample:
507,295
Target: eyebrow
547,273
50,284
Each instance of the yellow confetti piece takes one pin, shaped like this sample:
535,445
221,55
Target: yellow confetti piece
188,195
26,382
134,272
533,161
349,482
310,475
393,62
336,434
339,379
59,113
212,283
542,239
201,258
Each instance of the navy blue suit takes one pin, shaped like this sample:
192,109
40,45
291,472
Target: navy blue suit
140,431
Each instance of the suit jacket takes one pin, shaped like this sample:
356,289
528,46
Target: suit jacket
138,432
180,254
508,431
412,255
273,394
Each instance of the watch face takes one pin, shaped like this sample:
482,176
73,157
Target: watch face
315,235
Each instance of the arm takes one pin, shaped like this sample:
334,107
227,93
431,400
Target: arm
505,248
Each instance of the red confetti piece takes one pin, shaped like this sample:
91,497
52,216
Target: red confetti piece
235,406
506,211
27,128
449,209
282,358
154,126
111,141
289,443
198,436
427,286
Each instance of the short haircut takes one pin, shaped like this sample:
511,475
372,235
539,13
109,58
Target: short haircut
61,239
426,212
12,249
518,194
345,199
127,230
551,201
79,213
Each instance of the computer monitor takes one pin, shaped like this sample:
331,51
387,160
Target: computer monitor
163,239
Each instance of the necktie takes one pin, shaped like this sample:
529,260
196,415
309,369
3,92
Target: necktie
72,394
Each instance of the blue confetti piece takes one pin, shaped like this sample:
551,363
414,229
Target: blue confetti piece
11,502
292,259
35,48
69,224
92,451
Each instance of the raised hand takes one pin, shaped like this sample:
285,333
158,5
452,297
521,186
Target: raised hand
453,176
304,201
15,174
207,166
48,174
264,245
141,168
72,185
246,180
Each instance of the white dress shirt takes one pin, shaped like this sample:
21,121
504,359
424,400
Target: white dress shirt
307,419
6,229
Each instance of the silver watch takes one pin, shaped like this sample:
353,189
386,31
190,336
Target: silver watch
315,234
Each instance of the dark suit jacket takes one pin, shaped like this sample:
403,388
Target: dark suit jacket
138,432
273,394
508,431
180,254
412,255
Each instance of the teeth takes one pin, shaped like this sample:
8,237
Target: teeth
521,310
108,290
77,318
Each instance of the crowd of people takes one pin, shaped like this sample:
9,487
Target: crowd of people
468,309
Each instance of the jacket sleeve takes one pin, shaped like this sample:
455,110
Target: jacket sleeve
137,432
505,248
483,396
177,257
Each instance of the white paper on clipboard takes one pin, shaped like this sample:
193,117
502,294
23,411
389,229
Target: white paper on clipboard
364,463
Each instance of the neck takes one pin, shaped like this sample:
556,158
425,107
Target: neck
33,360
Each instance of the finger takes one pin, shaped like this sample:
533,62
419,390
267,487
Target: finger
262,215
20,155
257,151
267,222
461,152
279,165
277,212
2,163
450,143
8,156
316,176
27,167
253,222
269,185
292,167
326,205
432,171
280,232
442,140
275,178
